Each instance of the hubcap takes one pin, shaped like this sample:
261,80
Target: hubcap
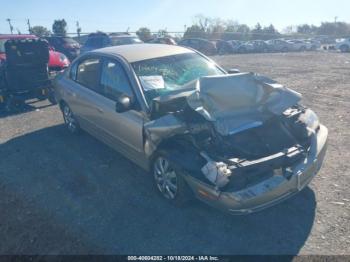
69,119
165,178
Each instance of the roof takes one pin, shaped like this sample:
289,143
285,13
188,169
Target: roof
139,52
16,36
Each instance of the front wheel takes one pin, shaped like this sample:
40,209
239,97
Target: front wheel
70,120
344,48
169,182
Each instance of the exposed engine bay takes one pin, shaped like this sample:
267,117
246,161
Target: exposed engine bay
232,131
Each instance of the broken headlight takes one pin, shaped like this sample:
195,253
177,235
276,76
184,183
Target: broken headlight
216,172
310,119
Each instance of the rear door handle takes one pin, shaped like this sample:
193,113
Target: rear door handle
71,93
100,110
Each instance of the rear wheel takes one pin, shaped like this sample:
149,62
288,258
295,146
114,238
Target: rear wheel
51,97
69,119
169,182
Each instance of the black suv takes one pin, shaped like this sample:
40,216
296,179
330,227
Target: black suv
65,45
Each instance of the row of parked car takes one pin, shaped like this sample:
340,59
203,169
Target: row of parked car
212,47
208,47
63,50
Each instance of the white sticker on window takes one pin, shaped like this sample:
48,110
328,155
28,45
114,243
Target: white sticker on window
152,82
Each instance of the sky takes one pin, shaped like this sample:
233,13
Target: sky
173,15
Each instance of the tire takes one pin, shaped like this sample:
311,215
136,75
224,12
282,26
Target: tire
222,51
302,49
344,48
242,50
51,97
69,119
170,183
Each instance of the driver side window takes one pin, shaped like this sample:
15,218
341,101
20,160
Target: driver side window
114,80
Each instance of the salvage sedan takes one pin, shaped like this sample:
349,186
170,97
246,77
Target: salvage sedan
240,142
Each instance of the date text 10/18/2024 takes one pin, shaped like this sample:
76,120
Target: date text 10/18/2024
172,258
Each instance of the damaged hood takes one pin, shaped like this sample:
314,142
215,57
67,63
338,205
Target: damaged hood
218,97
233,103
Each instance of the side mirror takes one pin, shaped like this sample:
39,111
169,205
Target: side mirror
233,71
123,104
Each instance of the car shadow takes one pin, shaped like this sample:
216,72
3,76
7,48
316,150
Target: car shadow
79,184
25,107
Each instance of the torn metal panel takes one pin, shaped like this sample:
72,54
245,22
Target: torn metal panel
160,129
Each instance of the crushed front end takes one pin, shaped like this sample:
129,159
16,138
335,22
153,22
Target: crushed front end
242,142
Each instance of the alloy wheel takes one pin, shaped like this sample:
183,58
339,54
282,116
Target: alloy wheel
69,119
165,178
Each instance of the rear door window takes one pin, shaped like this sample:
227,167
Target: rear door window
88,74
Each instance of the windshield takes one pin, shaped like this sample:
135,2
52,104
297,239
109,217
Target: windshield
162,75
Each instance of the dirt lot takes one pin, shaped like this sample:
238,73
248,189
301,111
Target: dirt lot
61,194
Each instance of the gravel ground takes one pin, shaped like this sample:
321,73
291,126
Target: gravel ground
64,194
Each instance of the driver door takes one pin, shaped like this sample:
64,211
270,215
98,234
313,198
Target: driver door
123,130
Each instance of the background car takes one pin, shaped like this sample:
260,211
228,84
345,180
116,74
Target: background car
100,40
279,45
259,46
25,73
223,47
343,45
163,40
57,60
236,44
65,45
246,47
202,45
312,44
298,45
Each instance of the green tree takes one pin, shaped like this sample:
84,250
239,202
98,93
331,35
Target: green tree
59,27
257,32
39,31
195,31
269,32
144,34
237,32
334,29
304,29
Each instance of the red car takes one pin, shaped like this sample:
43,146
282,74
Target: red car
57,60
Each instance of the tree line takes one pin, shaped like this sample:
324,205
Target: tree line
216,28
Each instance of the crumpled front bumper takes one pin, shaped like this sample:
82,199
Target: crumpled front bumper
271,191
